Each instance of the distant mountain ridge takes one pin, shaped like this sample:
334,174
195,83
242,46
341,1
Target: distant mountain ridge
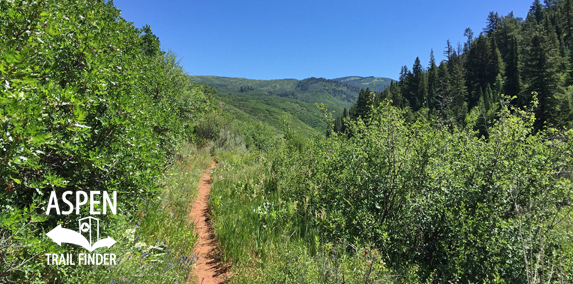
272,100
377,84
344,89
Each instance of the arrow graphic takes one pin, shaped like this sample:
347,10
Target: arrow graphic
62,235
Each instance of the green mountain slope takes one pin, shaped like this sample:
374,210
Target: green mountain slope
312,90
303,117
366,82
271,101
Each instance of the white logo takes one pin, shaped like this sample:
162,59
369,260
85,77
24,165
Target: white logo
91,242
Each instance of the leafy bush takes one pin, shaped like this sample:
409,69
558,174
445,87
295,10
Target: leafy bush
448,202
87,102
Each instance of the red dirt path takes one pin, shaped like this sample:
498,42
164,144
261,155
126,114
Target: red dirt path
208,269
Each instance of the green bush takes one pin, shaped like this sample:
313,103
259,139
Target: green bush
451,204
87,102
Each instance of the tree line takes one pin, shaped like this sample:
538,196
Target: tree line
514,57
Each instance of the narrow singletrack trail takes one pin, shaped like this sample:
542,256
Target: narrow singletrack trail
208,269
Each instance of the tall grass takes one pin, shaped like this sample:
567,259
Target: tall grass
266,239
155,243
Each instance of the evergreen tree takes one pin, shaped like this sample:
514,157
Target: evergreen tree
458,93
492,23
432,82
469,34
455,59
488,98
449,50
443,99
536,11
418,87
496,65
478,66
513,84
567,20
540,71
343,121
338,124
363,104
396,95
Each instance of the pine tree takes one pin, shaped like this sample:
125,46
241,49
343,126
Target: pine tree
432,82
338,124
492,23
458,93
513,86
469,34
540,72
449,50
488,98
396,95
418,87
343,122
443,89
496,65
536,11
478,66
363,104
567,20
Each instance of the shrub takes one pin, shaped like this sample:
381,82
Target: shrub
87,102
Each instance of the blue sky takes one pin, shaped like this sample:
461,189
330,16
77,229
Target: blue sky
298,39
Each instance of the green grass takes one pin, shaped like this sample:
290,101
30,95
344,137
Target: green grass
155,244
264,239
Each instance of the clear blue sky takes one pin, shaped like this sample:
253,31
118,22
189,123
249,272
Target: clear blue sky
266,39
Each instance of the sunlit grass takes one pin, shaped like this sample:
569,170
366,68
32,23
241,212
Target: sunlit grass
266,240
156,244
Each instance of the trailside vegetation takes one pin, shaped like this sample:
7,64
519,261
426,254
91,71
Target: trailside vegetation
400,201
88,102
457,173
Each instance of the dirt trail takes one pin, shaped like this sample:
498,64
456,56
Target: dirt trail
208,269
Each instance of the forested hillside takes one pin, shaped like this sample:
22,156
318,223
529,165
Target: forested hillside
376,84
511,56
272,100
310,90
